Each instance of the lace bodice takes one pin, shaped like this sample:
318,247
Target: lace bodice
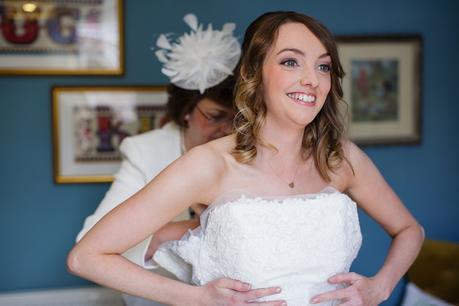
295,242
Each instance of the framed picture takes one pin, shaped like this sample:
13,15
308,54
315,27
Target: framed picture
382,88
89,124
61,37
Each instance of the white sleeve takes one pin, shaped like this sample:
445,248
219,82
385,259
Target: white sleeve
128,181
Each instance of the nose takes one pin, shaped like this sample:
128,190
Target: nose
309,77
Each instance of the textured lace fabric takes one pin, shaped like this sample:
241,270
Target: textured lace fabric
295,242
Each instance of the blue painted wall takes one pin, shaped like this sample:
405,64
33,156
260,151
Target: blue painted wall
39,219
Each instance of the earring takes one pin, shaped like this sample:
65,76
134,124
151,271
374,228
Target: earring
186,120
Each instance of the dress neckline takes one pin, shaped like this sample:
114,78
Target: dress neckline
237,195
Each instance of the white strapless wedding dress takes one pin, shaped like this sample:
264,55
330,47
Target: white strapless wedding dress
294,242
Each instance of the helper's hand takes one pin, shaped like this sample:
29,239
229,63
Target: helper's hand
226,291
361,290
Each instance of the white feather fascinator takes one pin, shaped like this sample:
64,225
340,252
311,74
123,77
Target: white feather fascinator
200,59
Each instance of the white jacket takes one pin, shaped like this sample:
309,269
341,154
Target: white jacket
144,156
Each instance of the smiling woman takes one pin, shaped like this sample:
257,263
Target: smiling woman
288,240
289,72
300,61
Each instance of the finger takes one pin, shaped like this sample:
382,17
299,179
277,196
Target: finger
350,277
261,292
269,303
331,295
233,284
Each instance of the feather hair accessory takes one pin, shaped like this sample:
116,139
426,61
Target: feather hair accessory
201,58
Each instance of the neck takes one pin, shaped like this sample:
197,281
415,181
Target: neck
285,163
287,140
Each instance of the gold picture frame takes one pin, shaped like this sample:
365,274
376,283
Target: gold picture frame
90,122
382,87
55,37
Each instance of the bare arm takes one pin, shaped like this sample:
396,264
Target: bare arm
372,193
97,255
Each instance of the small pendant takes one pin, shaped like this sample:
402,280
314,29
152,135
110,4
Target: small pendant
291,185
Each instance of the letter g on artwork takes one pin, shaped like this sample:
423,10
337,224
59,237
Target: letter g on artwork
62,25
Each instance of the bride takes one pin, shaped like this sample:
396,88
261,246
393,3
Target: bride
282,226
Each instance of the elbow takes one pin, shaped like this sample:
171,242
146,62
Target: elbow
421,236
417,233
421,231
413,230
75,261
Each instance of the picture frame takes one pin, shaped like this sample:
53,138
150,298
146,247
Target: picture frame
382,88
61,37
90,122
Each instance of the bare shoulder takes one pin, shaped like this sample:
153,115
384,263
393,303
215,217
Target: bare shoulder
352,152
207,159
220,149
354,160
363,169
215,151
206,165
357,158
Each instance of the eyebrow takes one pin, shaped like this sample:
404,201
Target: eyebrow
297,51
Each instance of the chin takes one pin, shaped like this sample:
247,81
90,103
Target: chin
303,120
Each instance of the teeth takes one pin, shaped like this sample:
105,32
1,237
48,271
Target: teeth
302,97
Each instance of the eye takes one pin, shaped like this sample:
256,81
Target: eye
290,63
219,117
326,68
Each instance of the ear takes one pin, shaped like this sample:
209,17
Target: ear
186,120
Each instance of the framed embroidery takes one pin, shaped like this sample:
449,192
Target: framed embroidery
89,123
61,37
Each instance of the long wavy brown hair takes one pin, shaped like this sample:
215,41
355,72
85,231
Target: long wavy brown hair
323,136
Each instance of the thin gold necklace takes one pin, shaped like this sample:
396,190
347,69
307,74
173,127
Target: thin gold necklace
290,184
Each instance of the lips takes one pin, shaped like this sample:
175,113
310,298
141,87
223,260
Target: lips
302,98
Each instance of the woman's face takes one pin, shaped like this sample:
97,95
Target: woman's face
296,76
207,121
